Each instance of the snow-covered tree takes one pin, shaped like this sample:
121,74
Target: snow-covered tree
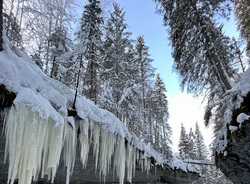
106,100
115,54
201,150
162,131
192,152
183,143
202,53
60,44
89,47
12,28
243,20
145,72
40,19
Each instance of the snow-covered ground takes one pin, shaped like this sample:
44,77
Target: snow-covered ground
38,127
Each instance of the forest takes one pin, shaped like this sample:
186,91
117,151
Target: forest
95,56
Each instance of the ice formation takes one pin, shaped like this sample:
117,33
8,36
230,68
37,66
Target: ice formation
39,131
35,145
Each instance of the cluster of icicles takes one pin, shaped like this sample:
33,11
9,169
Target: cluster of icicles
34,146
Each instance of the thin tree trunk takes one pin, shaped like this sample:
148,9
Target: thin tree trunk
77,83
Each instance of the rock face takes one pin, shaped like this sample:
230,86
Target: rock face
89,175
235,164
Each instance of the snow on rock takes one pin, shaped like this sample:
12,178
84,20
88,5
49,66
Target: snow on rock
233,128
234,99
242,117
38,130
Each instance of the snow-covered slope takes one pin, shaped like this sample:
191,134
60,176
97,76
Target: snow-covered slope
39,131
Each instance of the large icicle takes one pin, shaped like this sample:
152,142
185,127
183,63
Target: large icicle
32,143
120,159
69,149
84,141
107,145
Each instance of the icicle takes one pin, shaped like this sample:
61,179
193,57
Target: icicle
119,159
84,142
129,162
69,150
147,164
96,137
32,143
107,145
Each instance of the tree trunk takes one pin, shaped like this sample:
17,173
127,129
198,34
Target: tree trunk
1,25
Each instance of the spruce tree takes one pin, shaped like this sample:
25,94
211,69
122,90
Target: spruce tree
191,145
202,53
89,47
60,44
201,150
145,72
115,55
243,20
183,143
162,130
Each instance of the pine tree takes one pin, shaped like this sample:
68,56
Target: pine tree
145,72
183,143
116,57
60,44
243,18
201,149
162,130
89,46
201,52
191,145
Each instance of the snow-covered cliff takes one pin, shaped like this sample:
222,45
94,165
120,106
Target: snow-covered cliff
40,132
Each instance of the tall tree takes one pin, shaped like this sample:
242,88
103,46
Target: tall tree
201,149
243,19
145,71
183,143
41,18
202,54
162,130
89,47
60,44
192,151
116,57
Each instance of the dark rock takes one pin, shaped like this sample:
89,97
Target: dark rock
236,164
